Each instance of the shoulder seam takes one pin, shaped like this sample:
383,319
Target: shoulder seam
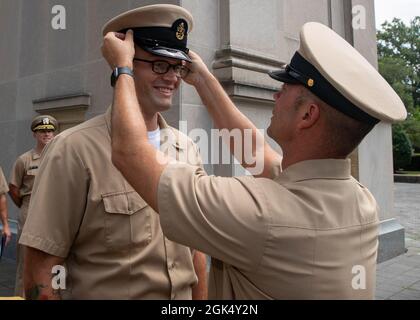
69,134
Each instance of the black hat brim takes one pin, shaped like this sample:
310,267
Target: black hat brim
283,76
167,52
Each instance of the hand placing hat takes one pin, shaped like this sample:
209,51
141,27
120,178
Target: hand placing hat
118,49
198,70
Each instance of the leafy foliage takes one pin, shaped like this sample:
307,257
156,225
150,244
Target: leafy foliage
399,64
399,57
402,150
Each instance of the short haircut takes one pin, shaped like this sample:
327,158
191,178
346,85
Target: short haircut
342,133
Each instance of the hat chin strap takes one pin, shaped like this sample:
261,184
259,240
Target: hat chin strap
152,43
297,75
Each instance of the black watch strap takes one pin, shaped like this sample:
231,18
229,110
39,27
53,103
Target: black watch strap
119,71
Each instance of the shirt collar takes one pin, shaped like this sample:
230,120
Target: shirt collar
167,132
337,169
35,155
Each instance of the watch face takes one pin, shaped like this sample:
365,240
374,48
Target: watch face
113,79
116,72
114,76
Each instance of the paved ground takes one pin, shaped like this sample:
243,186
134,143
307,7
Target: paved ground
407,207
397,279
7,277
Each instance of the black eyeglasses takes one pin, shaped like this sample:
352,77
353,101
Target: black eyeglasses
162,67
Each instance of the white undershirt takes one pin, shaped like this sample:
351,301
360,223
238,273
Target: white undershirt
154,138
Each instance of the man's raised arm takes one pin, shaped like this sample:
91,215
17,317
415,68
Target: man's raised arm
132,153
227,116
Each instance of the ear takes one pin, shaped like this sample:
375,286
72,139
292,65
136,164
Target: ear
309,115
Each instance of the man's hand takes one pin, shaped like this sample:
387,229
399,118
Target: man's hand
6,231
118,49
198,70
260,159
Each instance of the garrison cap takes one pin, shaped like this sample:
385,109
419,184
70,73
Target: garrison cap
44,122
339,75
161,29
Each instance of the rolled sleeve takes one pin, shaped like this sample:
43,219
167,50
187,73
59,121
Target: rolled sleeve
223,217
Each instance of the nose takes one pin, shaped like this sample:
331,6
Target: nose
171,75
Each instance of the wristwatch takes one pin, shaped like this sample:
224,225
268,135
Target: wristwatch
119,71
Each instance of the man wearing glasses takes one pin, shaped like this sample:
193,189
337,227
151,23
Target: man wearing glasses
85,215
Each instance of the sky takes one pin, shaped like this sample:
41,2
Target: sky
406,10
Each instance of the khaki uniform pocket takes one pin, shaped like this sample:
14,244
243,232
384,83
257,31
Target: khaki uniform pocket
127,220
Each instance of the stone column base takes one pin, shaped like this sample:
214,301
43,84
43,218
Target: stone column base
391,240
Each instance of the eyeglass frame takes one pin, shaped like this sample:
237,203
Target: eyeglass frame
169,66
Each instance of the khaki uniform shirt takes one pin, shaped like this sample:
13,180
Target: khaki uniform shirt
302,235
82,209
3,183
24,172
23,176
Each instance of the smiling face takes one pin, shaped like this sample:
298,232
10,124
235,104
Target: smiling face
154,91
43,137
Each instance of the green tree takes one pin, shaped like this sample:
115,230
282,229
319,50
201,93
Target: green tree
412,127
399,58
401,148
399,64
394,70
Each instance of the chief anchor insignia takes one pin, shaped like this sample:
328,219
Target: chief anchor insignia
180,31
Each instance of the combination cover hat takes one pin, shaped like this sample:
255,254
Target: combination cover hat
160,29
338,74
44,122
